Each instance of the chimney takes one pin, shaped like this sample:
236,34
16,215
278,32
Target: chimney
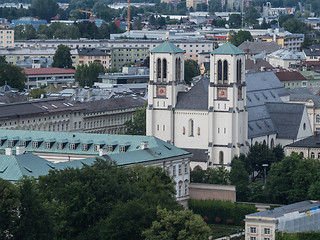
8,151
89,94
20,150
144,145
102,151
75,90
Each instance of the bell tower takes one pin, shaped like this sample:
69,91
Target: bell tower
166,81
228,115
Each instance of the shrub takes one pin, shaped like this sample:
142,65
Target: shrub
228,212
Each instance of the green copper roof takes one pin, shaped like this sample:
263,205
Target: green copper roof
227,49
157,149
167,47
13,168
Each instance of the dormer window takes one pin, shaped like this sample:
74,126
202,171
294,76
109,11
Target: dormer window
48,145
84,147
35,144
72,146
10,144
124,148
110,148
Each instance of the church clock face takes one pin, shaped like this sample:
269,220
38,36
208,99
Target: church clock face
161,91
222,92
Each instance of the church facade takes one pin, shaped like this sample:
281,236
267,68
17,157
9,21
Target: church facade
210,120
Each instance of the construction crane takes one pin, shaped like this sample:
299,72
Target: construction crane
128,16
90,12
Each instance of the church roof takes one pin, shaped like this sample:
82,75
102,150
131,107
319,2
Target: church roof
196,98
286,118
227,49
167,47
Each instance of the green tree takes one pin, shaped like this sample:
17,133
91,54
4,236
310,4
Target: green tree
137,125
235,20
251,15
87,75
292,179
258,155
278,153
295,26
177,225
236,38
105,201
44,9
9,202
239,177
128,219
34,219
12,75
62,57
37,93
191,69
25,32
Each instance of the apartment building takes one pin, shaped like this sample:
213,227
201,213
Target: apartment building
103,116
296,217
192,47
6,36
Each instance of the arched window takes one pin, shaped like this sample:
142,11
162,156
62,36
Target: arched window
186,188
225,71
197,168
183,130
219,70
301,154
312,155
178,69
159,68
272,144
318,155
221,158
239,71
164,67
191,128
198,131
264,142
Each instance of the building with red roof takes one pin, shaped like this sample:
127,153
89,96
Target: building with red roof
46,76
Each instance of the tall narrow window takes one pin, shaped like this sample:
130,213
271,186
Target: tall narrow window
178,69
219,70
225,71
191,128
159,68
239,71
221,158
164,68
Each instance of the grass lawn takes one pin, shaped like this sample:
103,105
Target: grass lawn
219,230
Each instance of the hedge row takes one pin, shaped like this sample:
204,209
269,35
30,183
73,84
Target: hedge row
298,236
220,212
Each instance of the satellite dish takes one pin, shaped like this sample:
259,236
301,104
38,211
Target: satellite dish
227,26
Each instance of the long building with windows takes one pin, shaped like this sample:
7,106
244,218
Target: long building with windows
66,149
102,116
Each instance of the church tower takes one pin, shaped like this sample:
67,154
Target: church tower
166,81
228,116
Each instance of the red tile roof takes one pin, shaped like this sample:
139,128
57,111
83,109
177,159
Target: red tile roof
290,76
48,71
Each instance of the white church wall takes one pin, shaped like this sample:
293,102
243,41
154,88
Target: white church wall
182,129
305,129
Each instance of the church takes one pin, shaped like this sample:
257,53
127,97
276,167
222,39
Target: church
212,119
